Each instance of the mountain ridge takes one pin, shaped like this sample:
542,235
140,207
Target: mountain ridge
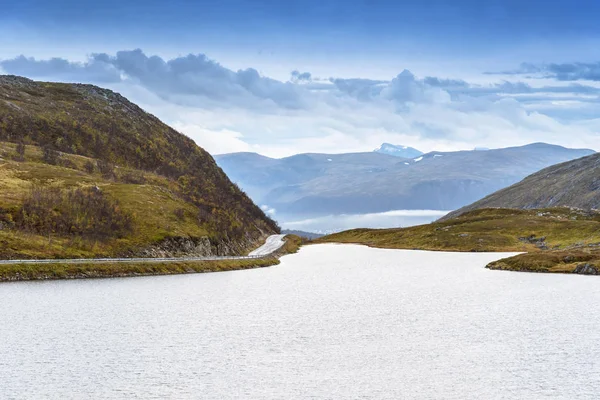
398,150
76,142
323,184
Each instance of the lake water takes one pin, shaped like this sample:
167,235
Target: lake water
331,322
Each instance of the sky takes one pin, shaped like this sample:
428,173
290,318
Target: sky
285,77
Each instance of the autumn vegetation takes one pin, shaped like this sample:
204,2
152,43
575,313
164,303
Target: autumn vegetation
86,173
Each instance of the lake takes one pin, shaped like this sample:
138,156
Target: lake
331,322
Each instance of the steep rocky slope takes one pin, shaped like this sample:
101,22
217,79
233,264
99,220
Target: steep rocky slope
571,184
67,149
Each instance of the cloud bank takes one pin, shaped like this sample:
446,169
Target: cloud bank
243,110
563,72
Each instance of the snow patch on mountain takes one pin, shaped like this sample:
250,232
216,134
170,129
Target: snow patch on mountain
398,150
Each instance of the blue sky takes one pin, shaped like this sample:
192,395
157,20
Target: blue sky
492,73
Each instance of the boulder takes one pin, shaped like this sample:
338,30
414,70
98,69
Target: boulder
586,269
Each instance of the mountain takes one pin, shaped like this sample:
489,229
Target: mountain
571,184
262,176
398,151
84,172
358,183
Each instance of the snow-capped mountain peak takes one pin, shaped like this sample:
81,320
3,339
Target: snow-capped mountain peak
398,151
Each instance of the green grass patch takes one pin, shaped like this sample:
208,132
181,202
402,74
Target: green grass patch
558,261
24,272
158,211
292,245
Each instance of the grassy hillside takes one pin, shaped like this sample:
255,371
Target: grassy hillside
571,184
487,230
556,239
84,172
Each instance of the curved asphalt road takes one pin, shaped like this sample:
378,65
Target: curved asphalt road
272,244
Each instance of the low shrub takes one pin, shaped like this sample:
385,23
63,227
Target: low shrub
133,177
20,151
65,162
107,169
180,214
84,212
89,167
50,156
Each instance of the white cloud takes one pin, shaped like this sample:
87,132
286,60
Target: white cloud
228,111
214,141
268,210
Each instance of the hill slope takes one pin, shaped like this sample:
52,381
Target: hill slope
487,230
67,149
322,184
572,184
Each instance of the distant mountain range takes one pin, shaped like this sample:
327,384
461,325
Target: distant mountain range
304,234
322,184
571,184
398,151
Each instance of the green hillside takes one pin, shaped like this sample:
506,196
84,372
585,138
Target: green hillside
84,172
555,239
486,230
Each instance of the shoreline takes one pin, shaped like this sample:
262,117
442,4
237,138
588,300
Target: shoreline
44,272
552,240
575,261
98,270
555,262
